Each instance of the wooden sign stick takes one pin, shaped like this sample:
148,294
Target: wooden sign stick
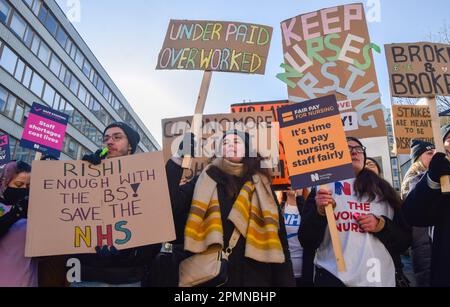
445,181
198,116
38,156
337,247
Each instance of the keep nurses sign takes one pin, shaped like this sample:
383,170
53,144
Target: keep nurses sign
329,52
215,46
315,143
45,130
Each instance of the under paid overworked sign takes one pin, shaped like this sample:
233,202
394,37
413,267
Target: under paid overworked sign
45,130
315,143
215,46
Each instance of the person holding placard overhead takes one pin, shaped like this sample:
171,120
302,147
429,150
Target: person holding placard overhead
426,205
110,267
15,269
231,208
370,226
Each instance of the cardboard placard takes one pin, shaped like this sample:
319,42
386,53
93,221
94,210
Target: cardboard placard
280,179
411,122
315,142
215,46
329,52
75,206
4,149
45,130
419,69
261,126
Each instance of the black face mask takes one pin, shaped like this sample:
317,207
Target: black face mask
13,195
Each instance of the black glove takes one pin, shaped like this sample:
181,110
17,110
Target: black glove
439,167
94,158
20,209
187,146
106,252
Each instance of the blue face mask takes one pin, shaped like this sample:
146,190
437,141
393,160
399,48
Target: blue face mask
13,195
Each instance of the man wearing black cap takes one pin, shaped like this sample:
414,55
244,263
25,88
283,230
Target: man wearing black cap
109,266
426,205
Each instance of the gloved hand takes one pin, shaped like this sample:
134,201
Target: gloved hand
94,158
106,251
20,209
439,167
187,146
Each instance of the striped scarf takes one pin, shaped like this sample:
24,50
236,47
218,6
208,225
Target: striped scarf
254,214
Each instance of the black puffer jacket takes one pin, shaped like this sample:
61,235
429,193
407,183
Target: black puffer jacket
427,207
242,272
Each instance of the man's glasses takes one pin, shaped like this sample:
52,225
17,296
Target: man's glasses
358,149
115,137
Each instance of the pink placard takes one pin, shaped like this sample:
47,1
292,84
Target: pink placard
44,131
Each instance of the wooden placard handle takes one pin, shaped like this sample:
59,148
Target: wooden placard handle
199,108
445,181
337,247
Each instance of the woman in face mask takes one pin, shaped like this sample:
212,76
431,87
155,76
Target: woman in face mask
16,270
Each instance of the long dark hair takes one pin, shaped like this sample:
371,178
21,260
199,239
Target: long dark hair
371,185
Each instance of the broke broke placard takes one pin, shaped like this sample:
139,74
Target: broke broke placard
215,46
76,206
419,69
329,52
411,122
315,143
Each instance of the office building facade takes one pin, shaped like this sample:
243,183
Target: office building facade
43,59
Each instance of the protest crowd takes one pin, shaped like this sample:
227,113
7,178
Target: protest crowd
336,221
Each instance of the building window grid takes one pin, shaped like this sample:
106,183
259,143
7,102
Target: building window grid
84,123
73,52
19,114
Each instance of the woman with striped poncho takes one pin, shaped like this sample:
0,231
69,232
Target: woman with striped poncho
233,192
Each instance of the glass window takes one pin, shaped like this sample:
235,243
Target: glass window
51,25
19,70
36,6
63,105
67,78
27,77
56,101
72,149
18,25
77,120
86,68
35,44
55,65
73,52
10,106
44,53
42,14
61,37
12,146
29,3
28,37
23,154
49,95
74,84
68,46
3,98
4,11
79,59
18,114
8,60
25,115
37,85
62,73
82,93
100,85
69,111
